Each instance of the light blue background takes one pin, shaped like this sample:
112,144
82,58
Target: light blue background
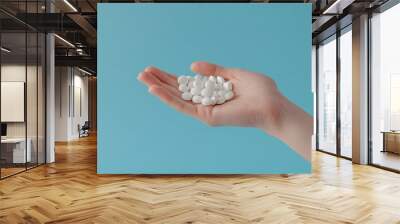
139,134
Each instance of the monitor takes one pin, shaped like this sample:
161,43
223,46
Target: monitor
3,129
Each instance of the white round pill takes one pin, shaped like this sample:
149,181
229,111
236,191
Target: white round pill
196,90
220,80
190,79
182,80
221,93
190,83
198,83
219,86
228,95
228,85
210,84
206,101
197,99
183,88
212,78
203,82
186,96
213,100
206,92
220,100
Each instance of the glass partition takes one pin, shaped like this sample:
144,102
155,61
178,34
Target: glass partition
22,77
14,151
41,97
31,100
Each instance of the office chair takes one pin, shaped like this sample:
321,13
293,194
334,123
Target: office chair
84,130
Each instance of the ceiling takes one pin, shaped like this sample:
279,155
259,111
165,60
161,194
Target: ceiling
76,22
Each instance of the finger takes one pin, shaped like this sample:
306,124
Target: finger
163,76
205,68
149,79
167,97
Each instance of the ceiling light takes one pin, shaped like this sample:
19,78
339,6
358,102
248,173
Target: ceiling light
329,9
338,6
5,50
70,5
65,41
84,71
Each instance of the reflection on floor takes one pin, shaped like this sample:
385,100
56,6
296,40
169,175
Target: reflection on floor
70,191
386,159
346,152
9,170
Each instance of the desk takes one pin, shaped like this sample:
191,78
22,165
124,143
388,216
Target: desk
16,153
391,141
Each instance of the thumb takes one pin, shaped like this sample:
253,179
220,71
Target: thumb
207,69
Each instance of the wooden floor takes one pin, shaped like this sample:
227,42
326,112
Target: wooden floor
70,191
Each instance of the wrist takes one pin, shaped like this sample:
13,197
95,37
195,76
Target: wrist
275,115
292,125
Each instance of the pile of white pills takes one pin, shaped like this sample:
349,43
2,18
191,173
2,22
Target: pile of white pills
207,90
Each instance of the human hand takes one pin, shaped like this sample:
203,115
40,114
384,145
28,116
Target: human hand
257,103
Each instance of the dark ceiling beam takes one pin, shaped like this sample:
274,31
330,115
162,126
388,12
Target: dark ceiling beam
321,22
91,5
332,28
11,25
80,61
86,26
62,51
49,22
15,18
175,1
329,15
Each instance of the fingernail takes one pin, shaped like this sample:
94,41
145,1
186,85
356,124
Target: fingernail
148,68
139,77
192,65
150,90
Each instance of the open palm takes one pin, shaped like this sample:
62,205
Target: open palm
254,104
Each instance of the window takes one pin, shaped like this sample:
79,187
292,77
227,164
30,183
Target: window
327,95
385,89
346,92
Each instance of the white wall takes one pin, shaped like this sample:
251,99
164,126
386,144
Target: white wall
80,109
16,72
62,81
70,83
